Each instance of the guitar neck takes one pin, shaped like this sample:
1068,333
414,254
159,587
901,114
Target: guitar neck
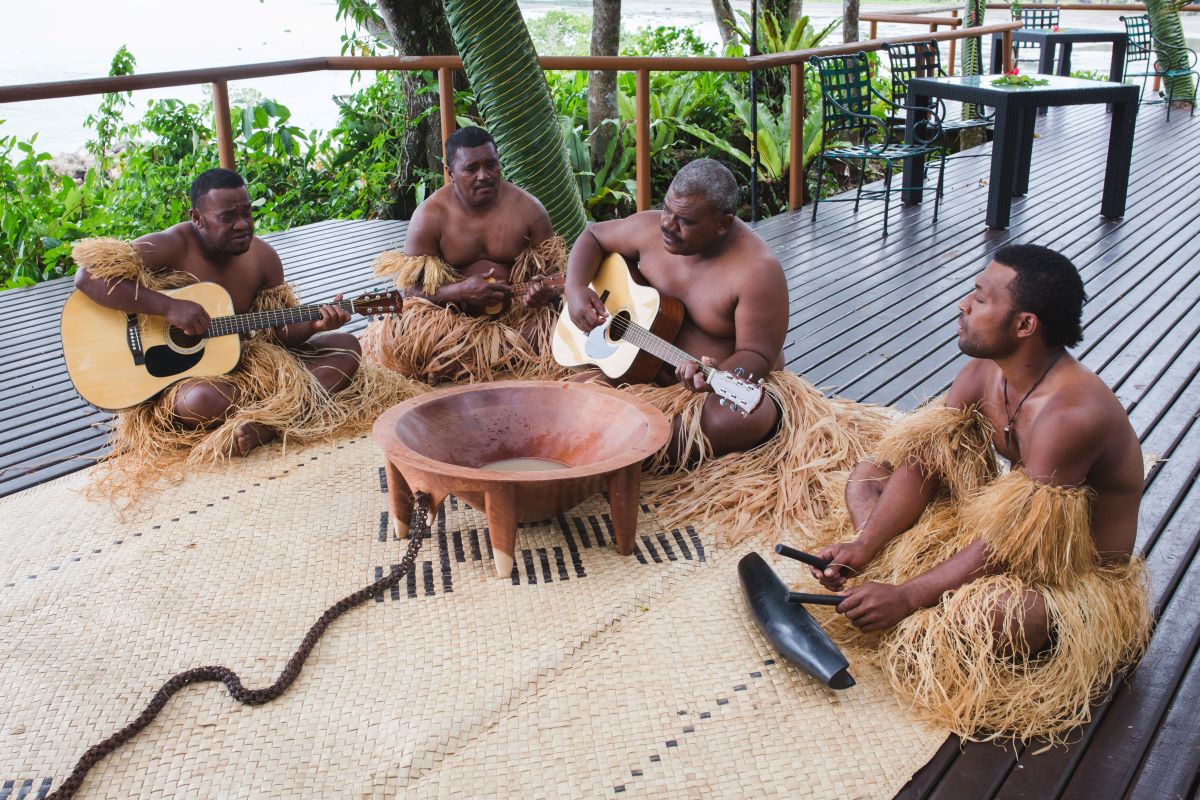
556,281
257,320
660,348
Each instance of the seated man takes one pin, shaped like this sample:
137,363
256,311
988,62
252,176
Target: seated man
300,381
1001,603
474,251
736,300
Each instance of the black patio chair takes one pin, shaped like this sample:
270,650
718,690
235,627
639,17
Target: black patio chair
1146,51
850,132
1033,18
924,60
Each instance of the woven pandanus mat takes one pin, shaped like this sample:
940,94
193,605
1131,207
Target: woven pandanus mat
585,674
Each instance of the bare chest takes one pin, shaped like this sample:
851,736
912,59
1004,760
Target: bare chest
708,296
465,242
241,279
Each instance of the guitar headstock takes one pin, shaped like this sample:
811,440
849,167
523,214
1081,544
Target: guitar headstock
741,394
376,304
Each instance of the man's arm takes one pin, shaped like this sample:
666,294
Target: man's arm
477,291
597,241
332,317
905,495
1063,447
159,252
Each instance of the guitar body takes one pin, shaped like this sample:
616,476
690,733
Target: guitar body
623,291
117,360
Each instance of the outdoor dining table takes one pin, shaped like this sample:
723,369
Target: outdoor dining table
1050,39
1012,144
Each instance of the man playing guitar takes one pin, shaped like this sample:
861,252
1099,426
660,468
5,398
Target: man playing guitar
218,244
730,284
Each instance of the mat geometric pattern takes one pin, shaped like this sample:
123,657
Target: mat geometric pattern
585,675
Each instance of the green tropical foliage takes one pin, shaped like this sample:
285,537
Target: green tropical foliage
298,176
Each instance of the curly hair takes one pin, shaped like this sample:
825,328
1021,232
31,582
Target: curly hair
1048,286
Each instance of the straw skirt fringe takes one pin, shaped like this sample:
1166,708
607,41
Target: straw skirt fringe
271,386
777,487
951,661
436,344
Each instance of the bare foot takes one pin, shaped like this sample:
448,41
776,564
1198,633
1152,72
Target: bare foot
251,435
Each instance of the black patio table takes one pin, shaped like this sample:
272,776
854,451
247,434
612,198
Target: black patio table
1012,144
1050,39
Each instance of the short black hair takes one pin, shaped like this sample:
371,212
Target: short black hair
214,179
1047,285
469,136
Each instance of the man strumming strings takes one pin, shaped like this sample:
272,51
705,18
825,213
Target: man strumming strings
301,381
747,472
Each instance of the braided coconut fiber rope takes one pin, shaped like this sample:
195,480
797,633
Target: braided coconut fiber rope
585,675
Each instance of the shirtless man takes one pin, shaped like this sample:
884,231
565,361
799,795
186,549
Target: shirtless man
218,244
730,283
479,224
1052,417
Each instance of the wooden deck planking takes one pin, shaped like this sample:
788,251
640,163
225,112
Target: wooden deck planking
873,318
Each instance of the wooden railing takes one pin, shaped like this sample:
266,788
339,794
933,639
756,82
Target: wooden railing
934,24
445,66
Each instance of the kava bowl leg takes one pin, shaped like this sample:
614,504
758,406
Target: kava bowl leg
500,505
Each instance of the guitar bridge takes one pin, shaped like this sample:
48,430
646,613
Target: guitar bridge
133,338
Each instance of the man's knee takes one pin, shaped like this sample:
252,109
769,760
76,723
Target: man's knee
337,340
200,402
1022,626
729,432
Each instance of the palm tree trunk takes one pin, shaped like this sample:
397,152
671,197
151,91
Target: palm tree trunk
724,14
1168,29
972,50
602,86
513,97
418,28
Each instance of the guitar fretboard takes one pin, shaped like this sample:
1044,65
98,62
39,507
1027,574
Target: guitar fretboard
636,335
257,320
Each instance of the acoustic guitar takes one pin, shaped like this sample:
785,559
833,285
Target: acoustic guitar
630,344
117,360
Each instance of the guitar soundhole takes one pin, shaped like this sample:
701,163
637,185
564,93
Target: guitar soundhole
181,340
619,326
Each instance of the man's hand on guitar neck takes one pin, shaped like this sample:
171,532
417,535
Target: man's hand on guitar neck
539,294
692,377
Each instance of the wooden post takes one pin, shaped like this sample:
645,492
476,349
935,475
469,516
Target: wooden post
223,124
446,113
953,42
933,28
642,105
1007,44
796,167
874,29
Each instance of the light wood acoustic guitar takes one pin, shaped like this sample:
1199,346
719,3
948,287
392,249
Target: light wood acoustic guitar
117,360
631,343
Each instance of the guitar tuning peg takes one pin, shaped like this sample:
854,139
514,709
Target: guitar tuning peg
760,381
739,372
750,377
721,401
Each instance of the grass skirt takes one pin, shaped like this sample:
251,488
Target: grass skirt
948,660
435,344
272,384
778,487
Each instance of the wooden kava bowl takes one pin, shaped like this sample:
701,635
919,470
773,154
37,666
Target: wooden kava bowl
444,443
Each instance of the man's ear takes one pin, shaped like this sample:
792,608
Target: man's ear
1028,324
197,220
724,223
